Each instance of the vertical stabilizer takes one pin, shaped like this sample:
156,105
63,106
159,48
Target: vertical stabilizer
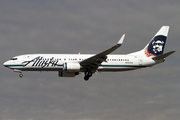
156,46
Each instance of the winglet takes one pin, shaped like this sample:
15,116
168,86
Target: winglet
121,40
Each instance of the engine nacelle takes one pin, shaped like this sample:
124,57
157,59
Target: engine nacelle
71,67
67,74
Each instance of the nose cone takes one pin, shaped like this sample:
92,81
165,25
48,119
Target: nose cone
6,64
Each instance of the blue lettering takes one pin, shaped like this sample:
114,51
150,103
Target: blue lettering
41,62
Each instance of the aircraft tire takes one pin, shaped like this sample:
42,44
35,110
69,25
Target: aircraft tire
20,75
86,78
90,74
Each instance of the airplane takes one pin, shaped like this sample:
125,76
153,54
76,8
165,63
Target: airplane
70,65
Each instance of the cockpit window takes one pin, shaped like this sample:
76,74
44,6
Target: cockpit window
13,59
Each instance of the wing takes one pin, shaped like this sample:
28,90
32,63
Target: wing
94,61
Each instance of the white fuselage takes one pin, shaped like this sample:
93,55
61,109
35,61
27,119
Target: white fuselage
54,62
70,65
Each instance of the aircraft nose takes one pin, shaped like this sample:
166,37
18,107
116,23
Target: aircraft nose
5,64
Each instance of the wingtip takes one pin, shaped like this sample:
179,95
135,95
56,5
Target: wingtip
121,39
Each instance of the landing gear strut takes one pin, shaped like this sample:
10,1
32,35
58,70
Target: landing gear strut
88,74
18,71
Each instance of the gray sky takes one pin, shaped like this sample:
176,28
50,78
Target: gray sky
88,26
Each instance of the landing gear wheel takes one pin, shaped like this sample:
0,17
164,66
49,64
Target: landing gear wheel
20,75
88,74
86,78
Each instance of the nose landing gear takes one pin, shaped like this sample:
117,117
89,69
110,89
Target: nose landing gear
19,71
20,75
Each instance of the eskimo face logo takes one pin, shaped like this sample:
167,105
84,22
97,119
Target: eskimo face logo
157,46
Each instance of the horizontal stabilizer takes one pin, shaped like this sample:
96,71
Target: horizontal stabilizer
163,55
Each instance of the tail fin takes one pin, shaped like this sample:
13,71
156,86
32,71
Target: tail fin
156,46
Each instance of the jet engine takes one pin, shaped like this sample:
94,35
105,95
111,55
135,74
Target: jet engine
71,67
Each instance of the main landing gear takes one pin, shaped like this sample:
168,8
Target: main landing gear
88,74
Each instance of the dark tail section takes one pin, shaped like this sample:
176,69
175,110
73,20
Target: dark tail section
156,46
